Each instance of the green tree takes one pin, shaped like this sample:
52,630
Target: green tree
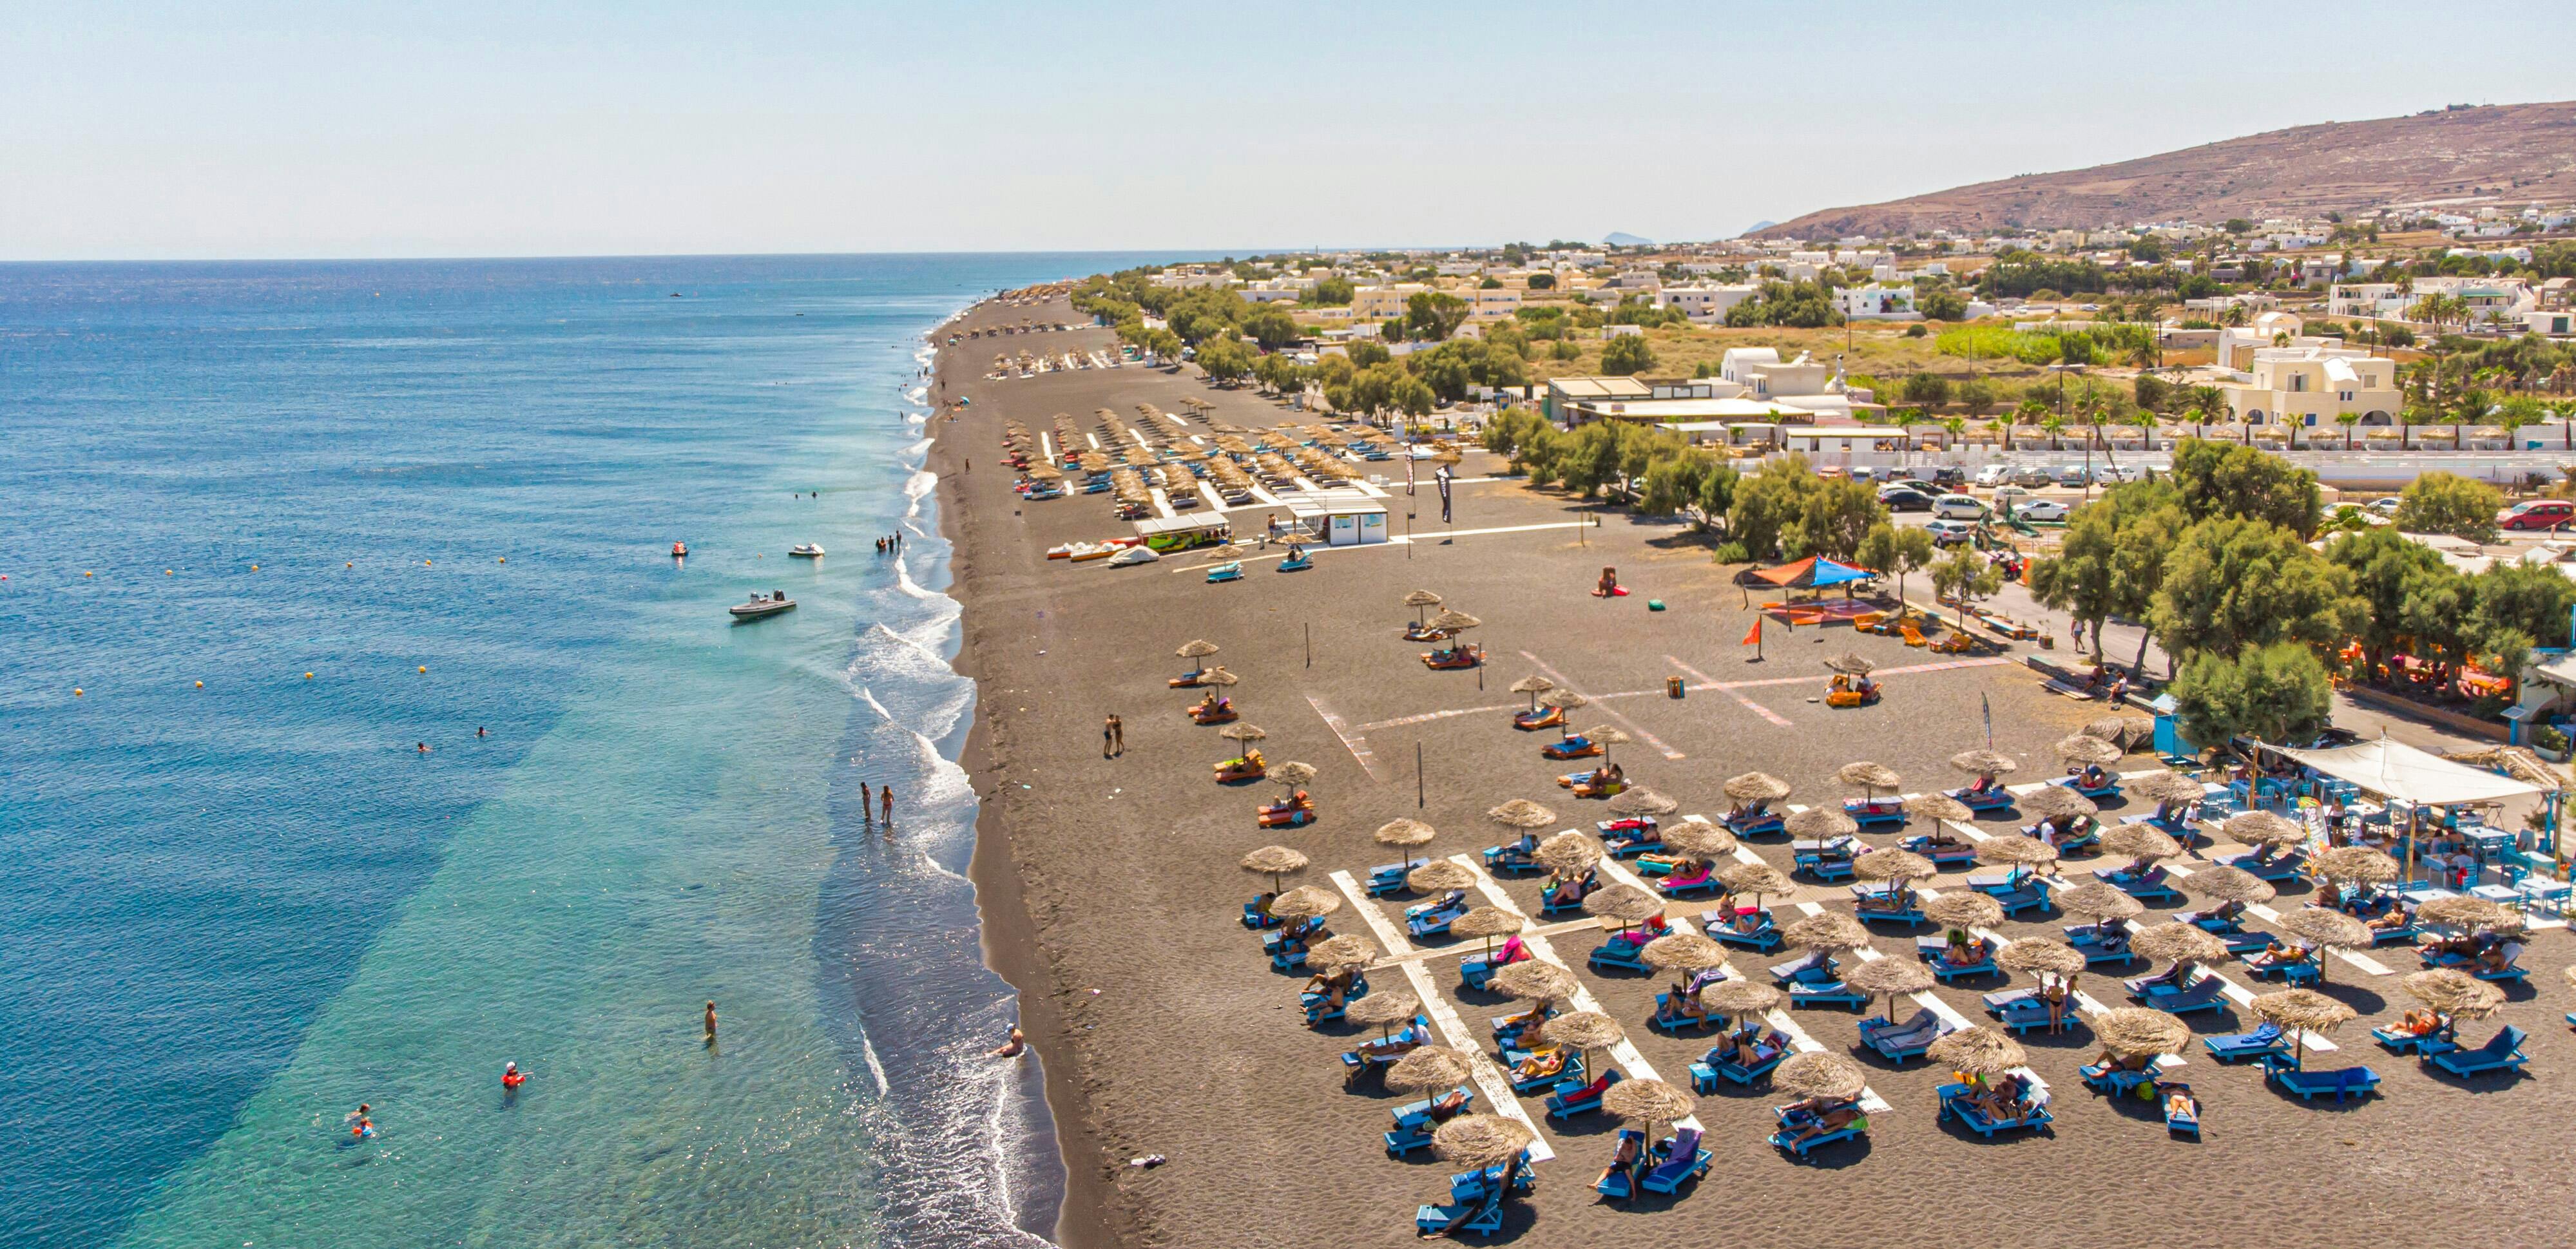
1365,353
1964,577
2233,584
1832,519
1977,395
2530,599
2220,479
1892,550
2383,566
1433,315
1224,359
1627,354
2081,580
1542,281
1767,503
2274,694
1942,305
1272,328
2449,503
1565,350
1332,292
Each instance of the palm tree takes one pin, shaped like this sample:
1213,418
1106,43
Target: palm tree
1956,427
2348,420
2145,420
2199,420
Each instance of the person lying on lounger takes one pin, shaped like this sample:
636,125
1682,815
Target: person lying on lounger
1547,1060
2224,913
1573,888
2179,1103
2108,933
1746,919
2393,918
2422,1023
1261,904
1334,985
1673,864
1897,897
2138,866
1965,949
1940,836
1986,783
2329,895
1681,1002
2005,1100
2177,976
1632,1150
1446,1106
2465,945
2092,777
2277,955
1396,1046
1521,1031
1824,1116
2499,957
2106,1061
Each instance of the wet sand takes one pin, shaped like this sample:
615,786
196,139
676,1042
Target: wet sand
1112,898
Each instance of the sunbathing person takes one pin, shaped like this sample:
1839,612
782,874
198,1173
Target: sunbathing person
1940,835
1681,1002
1824,1117
2224,913
2004,1100
2277,955
1446,1106
2109,933
1546,1060
1396,1046
2138,867
1520,1031
2499,957
2179,975
1987,783
2389,920
1674,864
1965,949
2092,777
2464,946
1334,985
2107,1062
1261,904
2179,1103
2422,1023
1631,1151
1573,888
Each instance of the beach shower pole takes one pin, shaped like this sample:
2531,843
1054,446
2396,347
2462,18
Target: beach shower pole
1310,644
1418,799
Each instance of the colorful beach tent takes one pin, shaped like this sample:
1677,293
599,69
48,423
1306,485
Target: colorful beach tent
1813,572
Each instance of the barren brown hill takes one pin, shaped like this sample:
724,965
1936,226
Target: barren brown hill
2509,154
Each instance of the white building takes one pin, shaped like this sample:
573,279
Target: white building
1707,304
1875,302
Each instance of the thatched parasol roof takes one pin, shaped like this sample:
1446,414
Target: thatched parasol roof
2173,940
1305,902
1698,837
1454,621
1893,864
1938,807
1964,909
1828,930
1850,663
1383,1008
1978,1050
1682,951
1403,832
1739,997
2145,841
1427,1068
1274,860
2055,802
2099,900
1533,981
1756,787
1475,1141
2134,1030
2355,863
1342,951
2467,913
1213,675
1648,1101
1422,598
1641,801
1196,648
2259,828
2229,884
2318,926
2013,848
1867,775
2040,955
2454,993
1607,735
2125,732
1819,1073
1820,823
1569,852
2166,787
1292,772
1626,903
1241,732
1984,762
1754,878
2305,1009
1888,977
1487,921
1583,1029
1564,700
1440,876
1533,684
1521,813
2082,749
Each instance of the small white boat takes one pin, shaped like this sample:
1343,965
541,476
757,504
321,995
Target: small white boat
763,605
1133,556
807,550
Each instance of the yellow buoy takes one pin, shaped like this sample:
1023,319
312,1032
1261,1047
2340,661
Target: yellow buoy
424,667
254,568
308,676
201,685
169,572
76,691
350,564
89,574
424,563
505,559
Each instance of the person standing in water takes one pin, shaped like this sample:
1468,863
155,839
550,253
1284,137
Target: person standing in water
864,813
711,1025
885,803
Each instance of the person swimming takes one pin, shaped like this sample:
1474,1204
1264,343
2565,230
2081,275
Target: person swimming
360,1126
512,1077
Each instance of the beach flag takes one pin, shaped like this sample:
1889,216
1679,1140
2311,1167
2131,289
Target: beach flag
1443,477
1408,473
1753,637
1989,709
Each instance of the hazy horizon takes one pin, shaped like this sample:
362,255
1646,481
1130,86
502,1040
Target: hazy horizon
291,130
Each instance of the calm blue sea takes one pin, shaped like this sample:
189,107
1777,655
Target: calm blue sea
267,529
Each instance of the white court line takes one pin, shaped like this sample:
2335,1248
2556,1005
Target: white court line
1046,443
1095,440
1489,1077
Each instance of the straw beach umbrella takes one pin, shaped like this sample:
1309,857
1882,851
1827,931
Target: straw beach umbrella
2305,1010
2101,901
2319,927
1754,878
1756,787
2229,884
1850,663
1893,864
1241,732
1828,930
1347,950
1820,824
2082,749
1454,622
2040,956
1869,778
1216,674
1564,700
2167,790
1820,1073
1419,600
1487,922
1382,1011
2134,1031
1938,807
2016,850
2056,802
1478,1141
2356,864
1292,774
1626,903
2142,841
1734,998
2173,941
1964,909
1521,813
1274,862
1890,978
1430,1069
1978,1050
1305,902
1533,981
1404,833
2467,914
1651,1102
1984,762
1699,838
1641,801
1569,853
2263,828
1440,876
1682,951
2125,732
1608,736
1196,648
1585,1030
1533,686
2454,993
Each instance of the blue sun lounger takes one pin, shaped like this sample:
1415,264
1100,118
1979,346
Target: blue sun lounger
2113,1081
1432,919
1257,919
1898,1042
2090,838
1503,1024
1663,1020
2090,941
1955,1104
2110,787
1514,857
1471,1185
1865,812
1826,993
1615,1184
2293,974
2503,1052
1386,878
1872,903
1229,571
1620,951
2340,1083
1993,798
1769,1052
1548,904
1720,926
1317,1005
2234,1047
2458,962
2001,882
2280,867
1475,969
1413,1125
1763,824
2152,885
1532,1086
1946,971
2020,1010
1813,967
1826,861
1577,1097
1792,1122
2420,1044
2203,994
2182,1118
1704,883
1946,854
2031,895
1683,1160
1483,1217
1361,1062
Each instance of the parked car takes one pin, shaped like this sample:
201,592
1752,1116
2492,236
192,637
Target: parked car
1904,499
2537,514
1946,532
2012,498
2043,509
2073,475
1958,507
2387,506
1950,475
1864,473
1915,483
1994,475
2034,477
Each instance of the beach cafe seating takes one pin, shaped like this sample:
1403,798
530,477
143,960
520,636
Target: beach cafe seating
2263,1041
1512,858
1868,811
2206,993
1958,1102
1719,1063
1794,1120
1432,919
2342,1082
1898,1042
2020,1010
1377,1056
1574,1097
1949,853
1741,926
1683,1159
2503,1052
1414,1122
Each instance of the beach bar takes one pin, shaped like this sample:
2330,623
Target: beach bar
1338,517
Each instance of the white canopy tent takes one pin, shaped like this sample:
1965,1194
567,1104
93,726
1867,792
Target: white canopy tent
2399,771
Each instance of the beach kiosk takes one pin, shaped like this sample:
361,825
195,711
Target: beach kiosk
1338,517
1181,533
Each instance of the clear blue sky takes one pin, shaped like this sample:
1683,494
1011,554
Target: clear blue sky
466,128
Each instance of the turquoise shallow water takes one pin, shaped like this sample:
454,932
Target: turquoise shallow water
244,908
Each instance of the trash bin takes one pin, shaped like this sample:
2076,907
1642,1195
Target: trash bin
1672,687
